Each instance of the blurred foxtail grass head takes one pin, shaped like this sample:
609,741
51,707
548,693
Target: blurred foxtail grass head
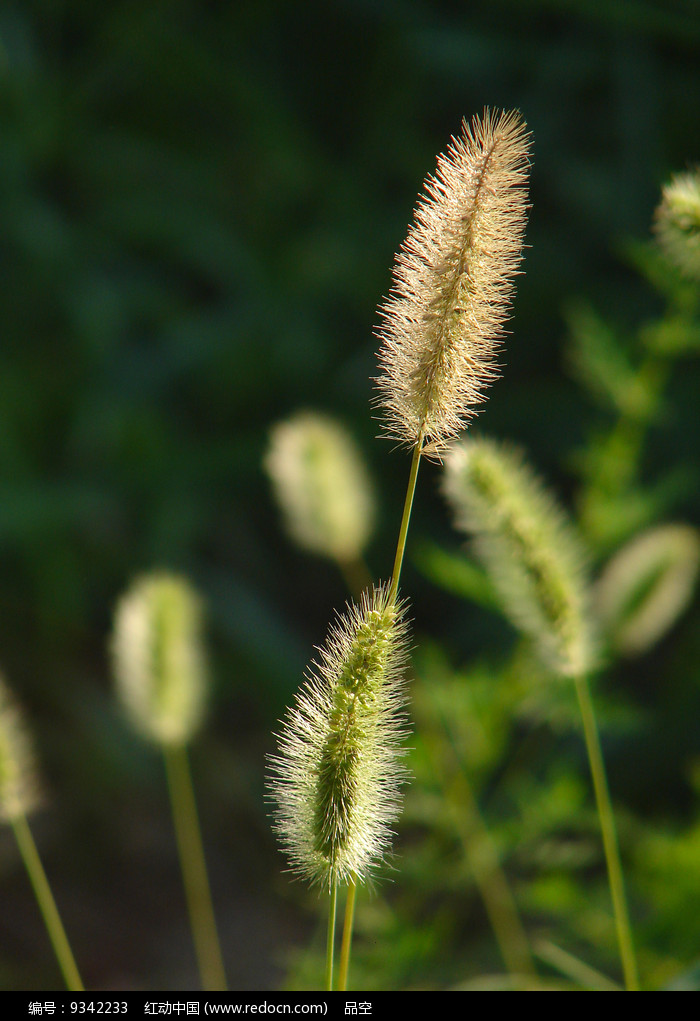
452,283
19,785
529,549
158,658
646,586
677,222
336,779
322,485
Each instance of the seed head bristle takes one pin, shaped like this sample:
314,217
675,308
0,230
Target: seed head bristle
528,547
19,786
336,780
158,658
452,283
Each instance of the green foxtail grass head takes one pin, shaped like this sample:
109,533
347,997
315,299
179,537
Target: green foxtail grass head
19,787
336,780
677,222
452,283
322,485
528,548
158,658
647,585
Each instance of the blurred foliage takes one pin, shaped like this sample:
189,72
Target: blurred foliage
200,203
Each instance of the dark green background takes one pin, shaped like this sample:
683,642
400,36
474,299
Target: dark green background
199,206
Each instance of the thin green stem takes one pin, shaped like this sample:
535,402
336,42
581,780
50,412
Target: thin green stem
573,968
194,869
330,942
483,859
47,904
393,592
607,825
406,518
347,936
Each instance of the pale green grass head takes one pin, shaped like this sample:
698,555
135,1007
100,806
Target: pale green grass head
647,585
19,786
453,282
677,222
528,547
322,486
158,658
336,779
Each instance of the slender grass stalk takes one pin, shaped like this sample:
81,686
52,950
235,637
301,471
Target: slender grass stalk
194,870
480,851
406,517
574,968
347,935
330,942
607,825
47,904
491,880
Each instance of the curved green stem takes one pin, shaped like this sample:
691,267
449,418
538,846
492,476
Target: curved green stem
47,904
406,518
330,942
347,936
194,869
607,826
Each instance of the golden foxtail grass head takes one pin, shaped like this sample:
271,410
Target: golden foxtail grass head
336,780
158,658
677,222
452,283
647,585
19,788
322,485
528,548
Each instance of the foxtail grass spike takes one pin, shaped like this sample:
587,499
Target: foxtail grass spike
321,485
647,585
677,222
19,785
158,659
336,780
528,548
452,283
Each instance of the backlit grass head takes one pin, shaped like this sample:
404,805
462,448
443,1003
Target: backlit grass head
528,548
336,779
19,787
322,485
647,585
158,658
678,222
453,281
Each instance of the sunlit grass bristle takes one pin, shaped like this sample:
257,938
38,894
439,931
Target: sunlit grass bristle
529,548
337,777
452,283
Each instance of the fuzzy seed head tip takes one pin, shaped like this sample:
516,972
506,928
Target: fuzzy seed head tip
158,658
452,283
337,776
